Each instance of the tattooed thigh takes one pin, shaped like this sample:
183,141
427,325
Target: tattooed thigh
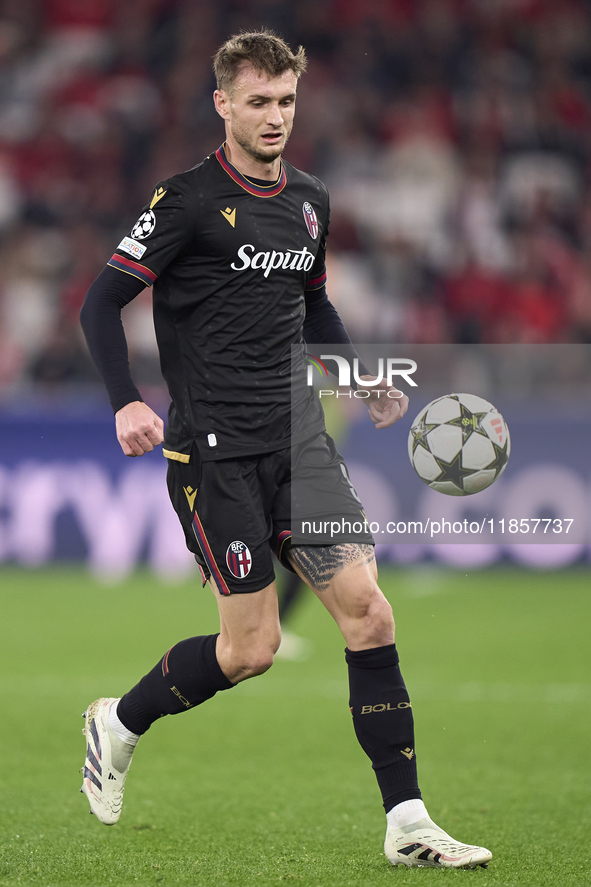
319,564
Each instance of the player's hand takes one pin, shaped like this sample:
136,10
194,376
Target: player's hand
139,429
386,404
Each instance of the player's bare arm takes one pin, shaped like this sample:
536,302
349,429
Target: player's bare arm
139,428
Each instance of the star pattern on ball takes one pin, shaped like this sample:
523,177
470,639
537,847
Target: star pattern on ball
453,471
470,423
501,457
419,434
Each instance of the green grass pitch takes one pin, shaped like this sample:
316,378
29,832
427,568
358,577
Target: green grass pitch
265,784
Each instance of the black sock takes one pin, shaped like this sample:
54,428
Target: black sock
185,677
382,717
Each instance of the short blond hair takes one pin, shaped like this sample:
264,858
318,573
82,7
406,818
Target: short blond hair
264,50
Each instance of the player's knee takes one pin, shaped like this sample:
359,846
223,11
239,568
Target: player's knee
256,659
381,617
259,664
254,663
375,627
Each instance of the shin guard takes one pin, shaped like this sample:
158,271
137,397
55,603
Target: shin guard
383,721
186,676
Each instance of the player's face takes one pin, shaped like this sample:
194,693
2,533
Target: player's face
259,113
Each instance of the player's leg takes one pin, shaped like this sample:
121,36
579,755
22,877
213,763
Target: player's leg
249,633
221,509
195,669
344,577
225,510
187,675
191,672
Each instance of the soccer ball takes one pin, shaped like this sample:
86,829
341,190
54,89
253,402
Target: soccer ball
459,444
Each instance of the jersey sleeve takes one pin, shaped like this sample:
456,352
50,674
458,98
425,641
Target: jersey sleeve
101,322
322,323
317,278
163,230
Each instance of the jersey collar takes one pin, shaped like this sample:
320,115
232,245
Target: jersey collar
256,190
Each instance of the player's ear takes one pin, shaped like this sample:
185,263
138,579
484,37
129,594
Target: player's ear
221,100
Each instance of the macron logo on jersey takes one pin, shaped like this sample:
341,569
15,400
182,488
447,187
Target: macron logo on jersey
294,260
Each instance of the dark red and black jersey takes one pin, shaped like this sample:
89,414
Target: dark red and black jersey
230,261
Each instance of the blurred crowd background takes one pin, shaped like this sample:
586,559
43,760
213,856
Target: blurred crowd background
454,136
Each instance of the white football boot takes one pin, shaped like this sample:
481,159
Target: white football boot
425,844
108,759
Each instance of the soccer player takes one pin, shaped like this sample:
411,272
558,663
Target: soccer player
235,251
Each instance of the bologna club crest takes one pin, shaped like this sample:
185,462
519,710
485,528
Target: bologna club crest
310,220
238,559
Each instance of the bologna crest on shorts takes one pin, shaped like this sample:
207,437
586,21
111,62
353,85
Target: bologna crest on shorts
238,559
310,220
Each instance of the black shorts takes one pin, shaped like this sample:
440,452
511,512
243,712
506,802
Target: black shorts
236,512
